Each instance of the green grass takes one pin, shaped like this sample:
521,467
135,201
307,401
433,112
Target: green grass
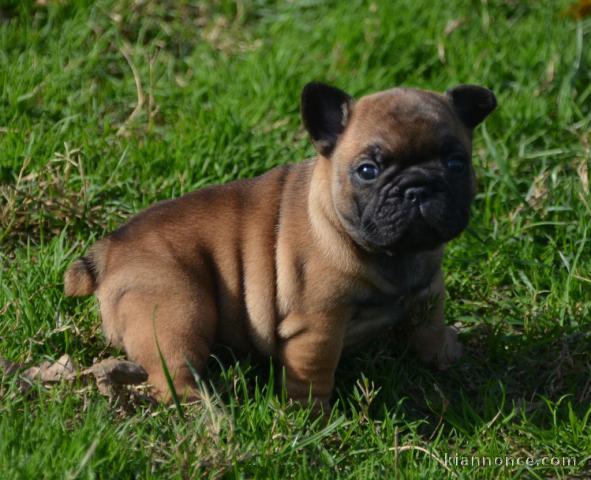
220,82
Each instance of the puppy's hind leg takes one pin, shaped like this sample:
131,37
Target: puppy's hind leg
182,321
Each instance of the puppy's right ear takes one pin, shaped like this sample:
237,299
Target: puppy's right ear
325,111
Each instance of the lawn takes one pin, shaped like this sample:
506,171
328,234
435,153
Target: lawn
109,106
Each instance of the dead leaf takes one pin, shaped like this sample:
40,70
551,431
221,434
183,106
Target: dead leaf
538,191
453,25
8,368
111,374
35,372
119,371
583,173
48,372
579,10
441,51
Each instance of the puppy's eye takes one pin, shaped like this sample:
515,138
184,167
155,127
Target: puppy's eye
455,163
368,172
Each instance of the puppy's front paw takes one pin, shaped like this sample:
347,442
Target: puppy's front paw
451,349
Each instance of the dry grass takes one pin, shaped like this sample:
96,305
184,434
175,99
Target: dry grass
51,199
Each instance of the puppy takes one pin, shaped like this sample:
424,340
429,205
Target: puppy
308,259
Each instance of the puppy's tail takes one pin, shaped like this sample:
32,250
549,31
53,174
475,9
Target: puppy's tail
81,277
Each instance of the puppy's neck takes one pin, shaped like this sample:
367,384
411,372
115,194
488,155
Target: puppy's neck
329,233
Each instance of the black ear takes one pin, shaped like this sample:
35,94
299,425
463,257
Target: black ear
325,110
472,103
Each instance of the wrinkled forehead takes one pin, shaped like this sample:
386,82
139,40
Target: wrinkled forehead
403,121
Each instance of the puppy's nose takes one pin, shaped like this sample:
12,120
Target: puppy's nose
415,195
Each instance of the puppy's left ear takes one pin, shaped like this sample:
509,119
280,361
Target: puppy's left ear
325,111
472,103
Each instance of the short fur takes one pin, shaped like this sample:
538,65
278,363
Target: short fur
305,260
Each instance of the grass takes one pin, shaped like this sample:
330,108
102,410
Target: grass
108,106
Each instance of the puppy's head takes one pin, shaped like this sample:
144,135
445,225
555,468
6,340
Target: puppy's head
402,176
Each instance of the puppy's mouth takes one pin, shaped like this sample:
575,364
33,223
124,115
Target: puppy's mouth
414,217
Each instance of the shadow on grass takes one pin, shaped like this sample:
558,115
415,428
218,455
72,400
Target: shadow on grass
499,372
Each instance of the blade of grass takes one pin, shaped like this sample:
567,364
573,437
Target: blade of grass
166,371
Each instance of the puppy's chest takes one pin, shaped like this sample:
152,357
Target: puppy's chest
379,309
370,317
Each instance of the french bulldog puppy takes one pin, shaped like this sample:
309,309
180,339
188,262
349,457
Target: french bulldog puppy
308,259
